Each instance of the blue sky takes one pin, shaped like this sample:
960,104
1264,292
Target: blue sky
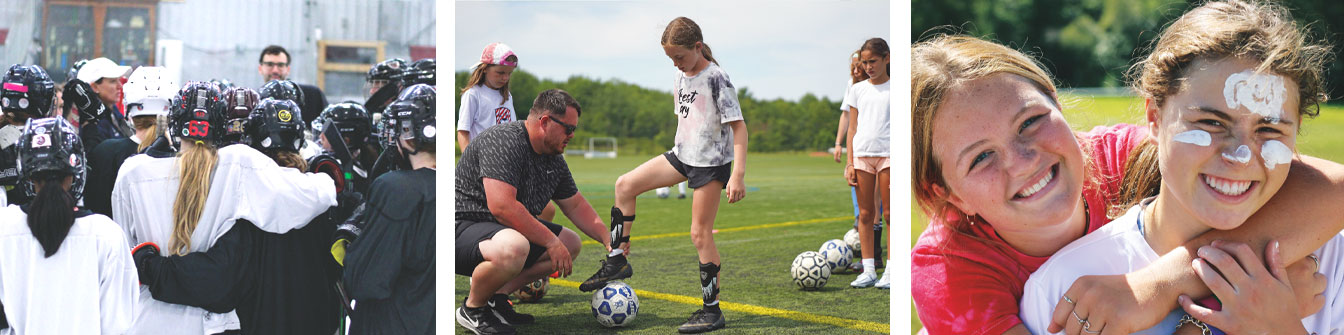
776,49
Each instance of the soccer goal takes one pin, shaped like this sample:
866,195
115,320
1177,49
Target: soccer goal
601,147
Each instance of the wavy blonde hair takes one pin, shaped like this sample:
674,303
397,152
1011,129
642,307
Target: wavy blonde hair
196,167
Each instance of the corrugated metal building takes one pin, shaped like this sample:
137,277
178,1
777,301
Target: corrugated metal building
206,39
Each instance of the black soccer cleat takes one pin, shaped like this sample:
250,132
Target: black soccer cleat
613,268
702,321
503,309
479,321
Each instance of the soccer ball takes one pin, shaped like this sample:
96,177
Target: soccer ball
836,253
663,192
810,271
852,238
532,292
615,305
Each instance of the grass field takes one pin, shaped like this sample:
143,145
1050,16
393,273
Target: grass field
794,203
1319,137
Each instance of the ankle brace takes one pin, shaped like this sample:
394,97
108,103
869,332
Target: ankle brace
618,229
709,284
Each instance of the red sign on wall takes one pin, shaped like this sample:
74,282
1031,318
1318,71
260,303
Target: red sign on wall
4,34
419,52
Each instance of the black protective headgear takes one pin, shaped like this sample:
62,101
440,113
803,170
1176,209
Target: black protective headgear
419,72
223,84
390,69
74,69
197,112
276,124
51,145
27,91
351,119
283,90
411,116
238,105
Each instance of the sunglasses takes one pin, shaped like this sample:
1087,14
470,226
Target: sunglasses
569,129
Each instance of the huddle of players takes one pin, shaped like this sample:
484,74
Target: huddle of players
352,143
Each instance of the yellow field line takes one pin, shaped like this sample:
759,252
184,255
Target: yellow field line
761,226
758,310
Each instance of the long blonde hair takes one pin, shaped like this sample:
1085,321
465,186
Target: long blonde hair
196,167
478,77
142,122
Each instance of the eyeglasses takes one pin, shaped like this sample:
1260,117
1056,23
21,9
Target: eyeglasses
274,64
569,129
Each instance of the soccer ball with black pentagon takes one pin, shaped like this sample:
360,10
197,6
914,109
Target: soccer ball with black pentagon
532,292
810,271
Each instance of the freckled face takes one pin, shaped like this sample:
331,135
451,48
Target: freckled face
1221,181
1007,154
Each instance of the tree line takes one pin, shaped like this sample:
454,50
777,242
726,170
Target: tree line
643,120
1091,43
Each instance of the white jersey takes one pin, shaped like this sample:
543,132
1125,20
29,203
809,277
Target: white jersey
704,103
1119,247
246,185
88,287
873,131
483,107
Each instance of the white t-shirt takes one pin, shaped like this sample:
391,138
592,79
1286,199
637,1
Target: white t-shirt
88,287
874,128
1119,247
482,108
246,185
847,101
704,104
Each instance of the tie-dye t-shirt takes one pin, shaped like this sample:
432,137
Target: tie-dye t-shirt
704,104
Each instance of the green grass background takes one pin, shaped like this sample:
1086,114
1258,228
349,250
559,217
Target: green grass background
782,187
1321,136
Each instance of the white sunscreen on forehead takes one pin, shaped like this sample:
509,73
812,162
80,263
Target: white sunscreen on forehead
1262,94
1196,137
1242,155
1275,153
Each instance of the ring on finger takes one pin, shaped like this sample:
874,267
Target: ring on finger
1081,320
1089,331
1070,301
1316,260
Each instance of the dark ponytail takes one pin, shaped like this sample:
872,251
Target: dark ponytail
51,212
685,33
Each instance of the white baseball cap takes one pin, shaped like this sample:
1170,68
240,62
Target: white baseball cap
100,68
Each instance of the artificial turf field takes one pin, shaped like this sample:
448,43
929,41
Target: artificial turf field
794,203
1322,136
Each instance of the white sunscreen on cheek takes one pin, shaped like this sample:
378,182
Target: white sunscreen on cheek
1242,155
1275,153
1196,137
1262,94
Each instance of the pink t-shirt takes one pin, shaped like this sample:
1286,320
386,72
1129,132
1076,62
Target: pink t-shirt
965,285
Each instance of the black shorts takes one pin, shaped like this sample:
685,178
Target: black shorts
699,176
471,233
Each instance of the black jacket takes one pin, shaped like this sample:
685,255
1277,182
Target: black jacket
104,161
389,269
313,102
277,283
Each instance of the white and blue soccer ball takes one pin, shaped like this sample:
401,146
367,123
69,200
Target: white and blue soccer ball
837,254
615,305
810,271
852,239
663,192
